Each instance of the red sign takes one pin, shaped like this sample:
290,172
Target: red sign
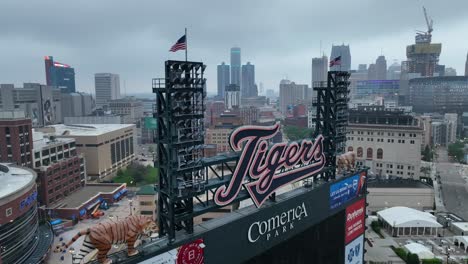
355,215
191,253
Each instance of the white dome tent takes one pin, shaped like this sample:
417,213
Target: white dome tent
404,221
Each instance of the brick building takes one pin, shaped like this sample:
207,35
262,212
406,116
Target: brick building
15,138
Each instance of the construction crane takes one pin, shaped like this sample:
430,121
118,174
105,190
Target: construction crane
425,36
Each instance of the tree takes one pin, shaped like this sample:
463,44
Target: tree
427,154
456,150
412,259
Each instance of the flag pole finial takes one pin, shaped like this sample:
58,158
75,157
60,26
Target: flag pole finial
186,44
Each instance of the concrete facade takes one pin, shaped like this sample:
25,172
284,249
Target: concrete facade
107,86
16,138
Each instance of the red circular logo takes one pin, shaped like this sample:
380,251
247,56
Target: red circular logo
191,253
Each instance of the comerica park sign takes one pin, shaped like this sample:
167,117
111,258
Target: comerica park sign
268,168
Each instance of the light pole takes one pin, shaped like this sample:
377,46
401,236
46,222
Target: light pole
72,252
131,203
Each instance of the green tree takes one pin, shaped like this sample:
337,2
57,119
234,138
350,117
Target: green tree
295,133
412,259
427,154
456,150
425,170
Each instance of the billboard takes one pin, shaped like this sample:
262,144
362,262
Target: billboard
354,251
294,161
190,253
355,217
345,190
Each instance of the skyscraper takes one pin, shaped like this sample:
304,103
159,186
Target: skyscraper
394,71
381,68
107,87
372,72
232,96
319,69
249,89
291,94
223,78
345,53
60,75
236,66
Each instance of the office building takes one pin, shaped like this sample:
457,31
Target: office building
59,75
224,78
129,107
394,71
450,72
76,104
106,147
248,87
60,169
146,199
39,102
236,66
93,119
370,89
387,141
291,94
372,72
345,53
319,72
107,87
447,94
451,119
439,133
219,133
232,96
319,69
381,68
249,115
15,138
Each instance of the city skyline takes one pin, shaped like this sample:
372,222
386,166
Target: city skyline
135,49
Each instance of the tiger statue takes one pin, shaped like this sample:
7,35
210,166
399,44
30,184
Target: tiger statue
346,162
103,235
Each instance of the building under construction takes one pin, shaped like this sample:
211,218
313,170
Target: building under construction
423,56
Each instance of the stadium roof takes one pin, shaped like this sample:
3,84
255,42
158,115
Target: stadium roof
420,250
400,216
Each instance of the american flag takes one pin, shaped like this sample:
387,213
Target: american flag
335,61
181,44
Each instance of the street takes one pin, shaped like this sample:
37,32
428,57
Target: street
453,184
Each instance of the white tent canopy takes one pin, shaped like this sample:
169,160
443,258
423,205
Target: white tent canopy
420,250
400,216
461,241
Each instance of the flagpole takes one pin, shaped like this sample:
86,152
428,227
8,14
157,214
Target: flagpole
186,44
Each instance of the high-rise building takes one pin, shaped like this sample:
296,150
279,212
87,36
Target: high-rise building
59,75
15,138
236,66
372,72
381,68
129,107
362,68
450,72
319,70
394,71
232,96
422,57
223,78
447,94
39,102
107,87
291,94
249,89
76,104
345,53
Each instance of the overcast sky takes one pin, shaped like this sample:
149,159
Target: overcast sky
132,38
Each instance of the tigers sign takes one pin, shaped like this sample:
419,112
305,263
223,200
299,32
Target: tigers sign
268,168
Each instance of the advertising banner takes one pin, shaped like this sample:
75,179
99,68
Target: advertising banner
191,253
354,251
355,217
345,190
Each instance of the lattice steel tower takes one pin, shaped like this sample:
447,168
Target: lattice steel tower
179,111
332,117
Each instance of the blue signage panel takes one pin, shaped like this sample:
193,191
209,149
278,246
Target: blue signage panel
345,190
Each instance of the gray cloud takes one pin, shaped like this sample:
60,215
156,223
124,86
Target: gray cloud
280,37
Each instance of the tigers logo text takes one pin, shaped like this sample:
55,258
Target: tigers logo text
270,168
